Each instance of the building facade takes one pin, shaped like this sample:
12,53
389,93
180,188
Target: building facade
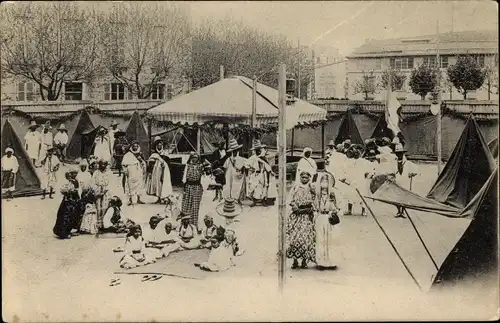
406,54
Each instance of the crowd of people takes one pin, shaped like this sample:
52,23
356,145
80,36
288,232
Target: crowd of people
316,201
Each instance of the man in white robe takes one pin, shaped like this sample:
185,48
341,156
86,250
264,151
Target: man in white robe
133,171
61,141
153,236
47,141
329,151
233,169
158,182
32,142
306,164
10,166
102,150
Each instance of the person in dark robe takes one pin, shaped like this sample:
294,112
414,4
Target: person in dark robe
120,147
218,159
68,209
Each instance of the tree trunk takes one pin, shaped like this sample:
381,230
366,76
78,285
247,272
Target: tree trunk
465,95
366,95
423,96
489,90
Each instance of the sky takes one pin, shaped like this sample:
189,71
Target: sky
347,24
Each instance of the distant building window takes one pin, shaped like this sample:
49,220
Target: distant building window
114,91
444,61
318,60
73,91
158,92
400,63
170,91
430,61
480,60
378,63
25,91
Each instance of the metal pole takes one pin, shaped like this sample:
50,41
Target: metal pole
389,240
322,140
293,139
438,116
421,240
282,174
298,73
198,140
221,72
254,102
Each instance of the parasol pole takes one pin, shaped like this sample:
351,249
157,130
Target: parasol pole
389,240
438,116
421,240
282,174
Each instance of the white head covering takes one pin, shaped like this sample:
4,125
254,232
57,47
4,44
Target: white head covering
9,149
307,149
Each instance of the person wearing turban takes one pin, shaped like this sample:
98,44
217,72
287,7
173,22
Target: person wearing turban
10,166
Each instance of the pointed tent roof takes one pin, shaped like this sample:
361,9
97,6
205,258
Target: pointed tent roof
79,125
27,181
493,145
135,130
381,129
466,171
349,130
230,100
476,252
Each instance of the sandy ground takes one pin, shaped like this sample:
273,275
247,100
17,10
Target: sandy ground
46,279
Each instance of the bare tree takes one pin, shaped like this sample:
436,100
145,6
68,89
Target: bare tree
491,81
49,43
366,85
146,43
242,50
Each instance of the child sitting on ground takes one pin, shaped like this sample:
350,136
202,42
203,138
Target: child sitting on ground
209,232
113,222
170,242
221,255
135,250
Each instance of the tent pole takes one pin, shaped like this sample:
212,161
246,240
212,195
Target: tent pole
198,140
282,175
293,139
421,240
389,240
322,140
150,121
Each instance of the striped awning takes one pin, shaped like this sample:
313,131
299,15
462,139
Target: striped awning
230,100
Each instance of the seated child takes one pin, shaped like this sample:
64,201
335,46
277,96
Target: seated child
188,234
89,220
170,242
209,232
113,221
221,256
153,237
135,250
230,239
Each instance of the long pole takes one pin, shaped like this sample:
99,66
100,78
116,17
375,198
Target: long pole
221,72
298,73
254,102
198,140
421,240
389,240
438,132
322,140
282,174
293,139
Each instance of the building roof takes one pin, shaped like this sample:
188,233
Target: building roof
230,100
452,43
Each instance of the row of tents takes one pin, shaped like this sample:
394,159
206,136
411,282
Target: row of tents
467,187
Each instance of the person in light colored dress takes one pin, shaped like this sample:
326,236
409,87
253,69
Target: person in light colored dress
33,142
10,166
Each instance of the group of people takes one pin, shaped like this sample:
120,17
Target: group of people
38,143
316,201
164,236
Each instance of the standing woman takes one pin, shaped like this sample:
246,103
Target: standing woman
68,209
193,191
300,232
306,164
134,166
326,208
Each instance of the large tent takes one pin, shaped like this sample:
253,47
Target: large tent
27,181
230,101
493,145
349,130
476,253
76,128
468,168
381,129
135,131
88,139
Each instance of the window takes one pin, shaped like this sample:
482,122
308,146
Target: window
25,91
114,91
318,60
444,61
402,63
480,60
170,91
158,92
73,91
430,61
378,63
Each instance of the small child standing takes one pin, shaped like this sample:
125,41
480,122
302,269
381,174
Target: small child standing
50,167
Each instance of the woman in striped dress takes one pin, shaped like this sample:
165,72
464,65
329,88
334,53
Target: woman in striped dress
193,190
